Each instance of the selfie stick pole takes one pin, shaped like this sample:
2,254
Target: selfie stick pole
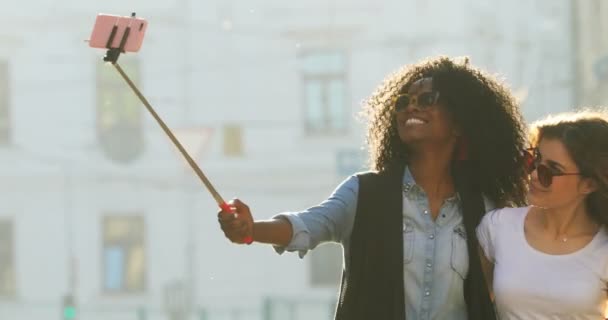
112,56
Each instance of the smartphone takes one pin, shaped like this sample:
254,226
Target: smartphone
106,23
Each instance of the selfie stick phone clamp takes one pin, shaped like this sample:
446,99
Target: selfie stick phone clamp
113,53
112,56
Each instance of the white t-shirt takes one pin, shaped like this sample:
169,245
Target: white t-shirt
530,284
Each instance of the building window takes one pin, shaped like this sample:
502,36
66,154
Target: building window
7,260
233,141
124,259
326,265
5,123
119,112
324,92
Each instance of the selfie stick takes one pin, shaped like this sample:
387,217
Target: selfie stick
112,57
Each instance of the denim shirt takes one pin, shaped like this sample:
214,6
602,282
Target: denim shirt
435,257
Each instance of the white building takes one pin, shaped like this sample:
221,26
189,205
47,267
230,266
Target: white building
591,53
95,200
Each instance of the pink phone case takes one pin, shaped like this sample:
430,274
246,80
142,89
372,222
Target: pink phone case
103,30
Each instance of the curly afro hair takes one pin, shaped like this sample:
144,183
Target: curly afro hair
482,107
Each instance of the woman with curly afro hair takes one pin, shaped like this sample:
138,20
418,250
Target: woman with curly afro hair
445,142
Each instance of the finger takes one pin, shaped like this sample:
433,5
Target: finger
222,209
234,229
242,231
232,235
231,226
237,224
240,206
235,237
226,217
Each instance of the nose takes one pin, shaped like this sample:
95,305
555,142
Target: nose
413,103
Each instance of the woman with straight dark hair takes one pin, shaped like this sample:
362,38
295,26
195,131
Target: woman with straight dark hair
550,260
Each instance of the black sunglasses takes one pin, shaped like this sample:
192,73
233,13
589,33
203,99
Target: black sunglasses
423,100
544,173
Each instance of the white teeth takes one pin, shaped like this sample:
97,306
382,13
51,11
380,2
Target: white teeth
414,121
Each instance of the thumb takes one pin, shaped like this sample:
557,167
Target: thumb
240,207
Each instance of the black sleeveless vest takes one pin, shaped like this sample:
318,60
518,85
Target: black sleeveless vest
373,287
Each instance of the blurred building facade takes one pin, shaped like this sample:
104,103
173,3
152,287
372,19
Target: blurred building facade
96,202
591,52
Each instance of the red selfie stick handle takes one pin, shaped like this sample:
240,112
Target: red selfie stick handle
223,205
226,208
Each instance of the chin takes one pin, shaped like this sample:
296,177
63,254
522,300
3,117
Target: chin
409,138
536,201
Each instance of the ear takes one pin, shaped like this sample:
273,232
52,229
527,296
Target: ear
587,186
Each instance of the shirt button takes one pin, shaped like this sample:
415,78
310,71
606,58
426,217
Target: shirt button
429,265
428,293
426,212
432,236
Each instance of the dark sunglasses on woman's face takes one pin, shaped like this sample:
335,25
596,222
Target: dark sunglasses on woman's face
544,173
423,100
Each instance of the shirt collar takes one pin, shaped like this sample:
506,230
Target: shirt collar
409,185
